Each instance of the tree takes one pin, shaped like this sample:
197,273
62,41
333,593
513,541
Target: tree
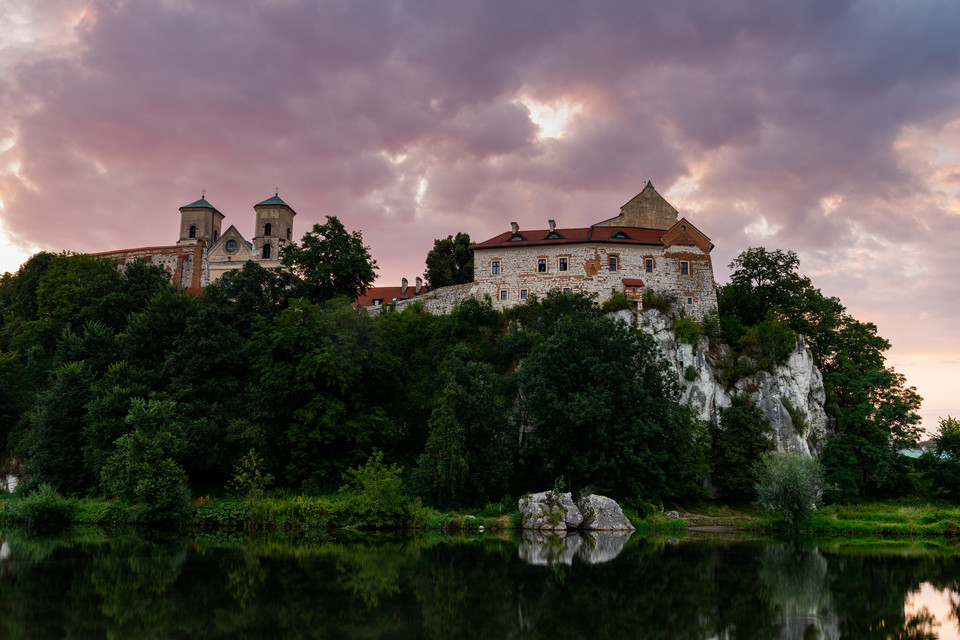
331,262
450,262
946,463
738,444
790,486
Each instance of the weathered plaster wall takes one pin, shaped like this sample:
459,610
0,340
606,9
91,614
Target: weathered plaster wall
186,264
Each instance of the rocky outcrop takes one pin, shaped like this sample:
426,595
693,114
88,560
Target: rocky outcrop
791,396
601,513
547,511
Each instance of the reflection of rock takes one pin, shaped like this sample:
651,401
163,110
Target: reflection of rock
547,549
5,551
602,513
602,546
547,511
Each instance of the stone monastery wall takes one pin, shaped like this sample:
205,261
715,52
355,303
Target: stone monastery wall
186,264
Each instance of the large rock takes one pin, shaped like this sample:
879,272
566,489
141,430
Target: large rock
602,546
602,513
547,548
547,511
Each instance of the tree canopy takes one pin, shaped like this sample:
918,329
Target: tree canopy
450,261
331,262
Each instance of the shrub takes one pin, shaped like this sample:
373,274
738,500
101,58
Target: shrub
248,476
43,508
690,373
617,302
652,299
688,330
789,485
796,416
373,495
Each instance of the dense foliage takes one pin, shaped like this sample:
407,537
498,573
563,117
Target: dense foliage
790,485
450,261
268,381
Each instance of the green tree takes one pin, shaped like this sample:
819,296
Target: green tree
144,471
739,442
331,262
450,261
790,486
946,465
470,452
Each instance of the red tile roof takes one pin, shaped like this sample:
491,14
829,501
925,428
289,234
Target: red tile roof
632,282
537,237
387,295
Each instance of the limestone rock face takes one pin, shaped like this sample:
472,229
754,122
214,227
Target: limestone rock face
602,513
792,396
548,511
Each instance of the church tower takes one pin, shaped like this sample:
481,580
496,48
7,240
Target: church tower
274,228
199,220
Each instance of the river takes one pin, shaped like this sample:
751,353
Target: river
129,583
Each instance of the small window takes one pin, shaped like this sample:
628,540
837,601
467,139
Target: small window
612,263
523,294
266,252
289,233
553,235
216,234
230,246
377,302
684,267
541,265
516,238
562,264
648,265
689,300
193,231
566,291
495,267
503,294
613,290
267,229
619,235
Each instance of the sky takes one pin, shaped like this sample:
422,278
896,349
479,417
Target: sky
826,127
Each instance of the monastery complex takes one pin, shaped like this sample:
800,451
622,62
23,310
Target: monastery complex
646,246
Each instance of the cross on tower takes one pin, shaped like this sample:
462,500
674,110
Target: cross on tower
276,190
203,193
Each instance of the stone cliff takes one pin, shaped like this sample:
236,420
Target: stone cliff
791,396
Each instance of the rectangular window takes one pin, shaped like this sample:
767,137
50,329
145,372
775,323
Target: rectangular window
495,267
523,294
684,267
612,263
566,291
648,265
562,264
541,265
689,300
503,294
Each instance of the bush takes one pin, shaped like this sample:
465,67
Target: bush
688,330
653,299
797,417
789,485
617,302
44,508
690,373
373,495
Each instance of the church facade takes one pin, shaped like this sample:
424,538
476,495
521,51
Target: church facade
205,252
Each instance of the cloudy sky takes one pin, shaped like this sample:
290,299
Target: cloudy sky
828,127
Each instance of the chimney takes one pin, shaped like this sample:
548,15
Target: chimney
514,228
416,291
553,225
403,286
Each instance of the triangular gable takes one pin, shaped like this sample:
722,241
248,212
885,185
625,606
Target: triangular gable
218,250
685,234
646,210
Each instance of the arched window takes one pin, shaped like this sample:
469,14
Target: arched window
267,229
216,234
289,233
193,231
266,252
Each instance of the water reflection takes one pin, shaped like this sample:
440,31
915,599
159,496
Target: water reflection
549,548
92,583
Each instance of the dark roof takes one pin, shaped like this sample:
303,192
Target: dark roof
274,201
200,204
627,235
388,295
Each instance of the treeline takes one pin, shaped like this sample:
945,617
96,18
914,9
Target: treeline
115,384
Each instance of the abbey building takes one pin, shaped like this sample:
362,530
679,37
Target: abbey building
205,252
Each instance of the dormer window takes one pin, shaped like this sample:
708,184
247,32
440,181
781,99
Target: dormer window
516,237
553,235
267,229
619,235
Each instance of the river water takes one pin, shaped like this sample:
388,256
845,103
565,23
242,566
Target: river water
92,583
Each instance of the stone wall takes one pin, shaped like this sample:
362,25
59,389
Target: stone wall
186,264
588,272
